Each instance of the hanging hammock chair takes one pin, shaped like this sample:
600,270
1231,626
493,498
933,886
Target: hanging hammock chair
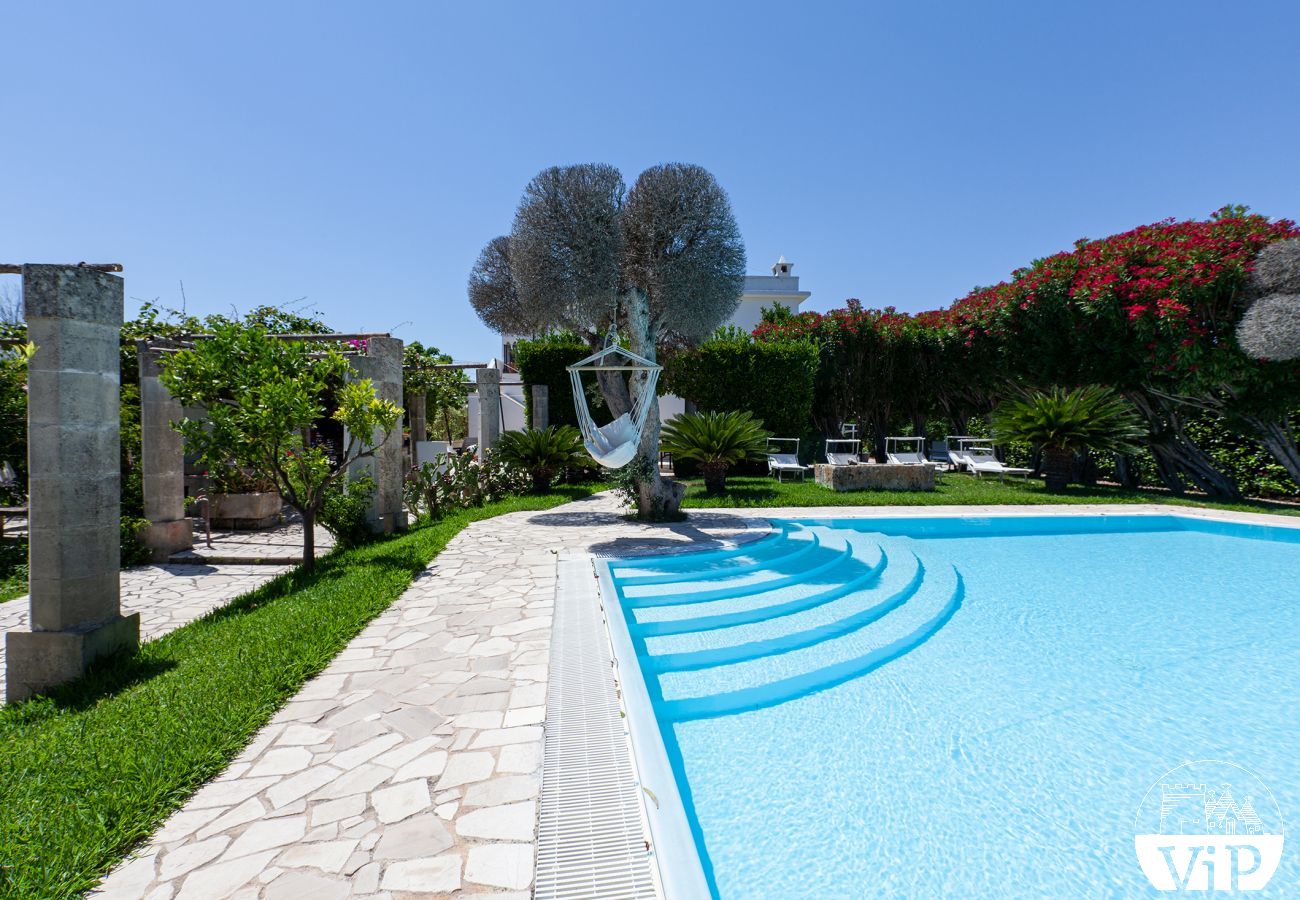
614,445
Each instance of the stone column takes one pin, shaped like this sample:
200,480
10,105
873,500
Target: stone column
162,463
74,316
489,407
419,426
541,406
382,364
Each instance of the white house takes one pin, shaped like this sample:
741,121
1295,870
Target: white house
761,291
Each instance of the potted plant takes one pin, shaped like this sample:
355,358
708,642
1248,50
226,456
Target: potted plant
242,500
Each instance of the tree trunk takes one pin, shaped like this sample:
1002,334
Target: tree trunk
613,387
1279,440
1125,471
878,450
715,477
542,480
1177,456
658,499
1058,464
308,539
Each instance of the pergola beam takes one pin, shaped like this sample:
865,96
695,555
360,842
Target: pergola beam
17,268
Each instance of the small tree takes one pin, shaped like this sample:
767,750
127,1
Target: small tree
444,390
262,396
663,263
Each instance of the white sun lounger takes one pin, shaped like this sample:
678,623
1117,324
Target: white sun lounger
981,461
779,464
843,457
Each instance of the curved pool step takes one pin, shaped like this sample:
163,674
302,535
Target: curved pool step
743,586
780,554
650,622
853,612
696,557
770,680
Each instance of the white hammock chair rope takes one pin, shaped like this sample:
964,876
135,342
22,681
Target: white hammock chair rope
614,445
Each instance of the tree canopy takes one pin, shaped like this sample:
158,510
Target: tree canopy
662,264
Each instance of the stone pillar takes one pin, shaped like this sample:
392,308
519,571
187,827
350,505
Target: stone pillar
162,463
74,316
489,407
541,406
382,364
419,427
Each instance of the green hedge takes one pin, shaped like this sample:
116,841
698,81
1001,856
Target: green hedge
773,380
543,361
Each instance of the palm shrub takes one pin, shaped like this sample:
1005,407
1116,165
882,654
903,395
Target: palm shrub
716,441
542,452
1062,422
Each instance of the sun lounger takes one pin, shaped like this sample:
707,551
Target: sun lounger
981,461
779,464
843,452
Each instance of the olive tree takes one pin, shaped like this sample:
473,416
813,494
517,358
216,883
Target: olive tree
663,264
1270,328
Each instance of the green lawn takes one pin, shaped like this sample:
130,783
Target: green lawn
13,568
91,771
955,489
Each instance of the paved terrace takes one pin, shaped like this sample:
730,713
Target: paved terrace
411,765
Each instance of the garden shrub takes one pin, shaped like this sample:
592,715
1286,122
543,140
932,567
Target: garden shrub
544,361
459,481
772,380
543,452
344,512
133,550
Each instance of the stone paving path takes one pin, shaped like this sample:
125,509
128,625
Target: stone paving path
411,765
166,597
280,545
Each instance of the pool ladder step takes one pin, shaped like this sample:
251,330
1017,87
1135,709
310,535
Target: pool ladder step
753,614
793,687
717,656
694,558
728,568
743,589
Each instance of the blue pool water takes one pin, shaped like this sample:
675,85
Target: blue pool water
961,707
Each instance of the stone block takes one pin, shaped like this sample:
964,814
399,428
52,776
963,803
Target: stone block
36,661
165,538
488,384
70,292
246,511
875,477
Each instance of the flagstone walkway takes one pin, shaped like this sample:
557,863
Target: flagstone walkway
411,765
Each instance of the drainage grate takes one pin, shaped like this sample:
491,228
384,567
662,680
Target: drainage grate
590,838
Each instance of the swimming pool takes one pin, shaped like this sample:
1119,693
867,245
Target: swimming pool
956,706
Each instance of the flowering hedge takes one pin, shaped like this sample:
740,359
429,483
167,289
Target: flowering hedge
1151,312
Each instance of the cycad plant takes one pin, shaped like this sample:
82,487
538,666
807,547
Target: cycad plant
715,440
1062,422
542,452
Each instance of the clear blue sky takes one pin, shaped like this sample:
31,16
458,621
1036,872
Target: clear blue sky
360,154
